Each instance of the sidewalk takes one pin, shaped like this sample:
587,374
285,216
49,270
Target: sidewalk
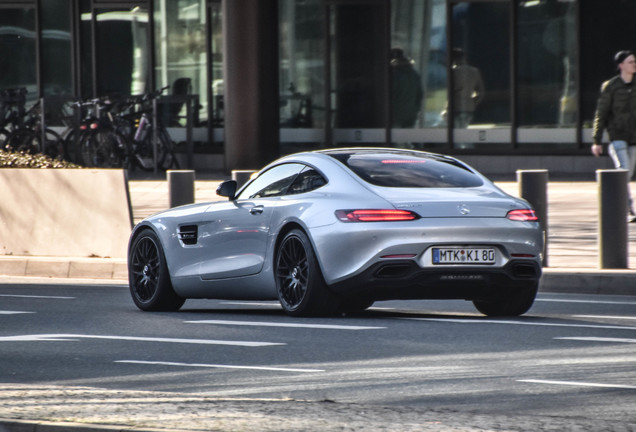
573,261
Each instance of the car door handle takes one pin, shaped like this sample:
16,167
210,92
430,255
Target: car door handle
256,210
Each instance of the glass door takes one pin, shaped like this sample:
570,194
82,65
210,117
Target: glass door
120,52
18,49
357,72
480,96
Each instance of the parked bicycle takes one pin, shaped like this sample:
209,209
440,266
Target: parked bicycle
123,134
22,129
148,133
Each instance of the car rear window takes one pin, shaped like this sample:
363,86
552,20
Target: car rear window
409,170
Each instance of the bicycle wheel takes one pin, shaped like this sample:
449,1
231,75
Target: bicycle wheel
4,135
104,149
168,159
24,141
54,145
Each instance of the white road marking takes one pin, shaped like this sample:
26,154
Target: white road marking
606,317
609,302
201,365
579,384
14,312
526,323
597,339
38,297
288,325
74,337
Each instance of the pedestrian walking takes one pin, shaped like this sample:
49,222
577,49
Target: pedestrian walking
616,114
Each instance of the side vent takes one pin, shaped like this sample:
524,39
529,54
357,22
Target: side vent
189,234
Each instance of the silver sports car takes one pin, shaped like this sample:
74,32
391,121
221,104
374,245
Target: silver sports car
335,230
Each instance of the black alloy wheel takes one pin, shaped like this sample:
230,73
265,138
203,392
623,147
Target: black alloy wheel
299,281
149,280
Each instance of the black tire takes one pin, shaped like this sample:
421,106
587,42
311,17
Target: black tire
515,303
148,276
300,285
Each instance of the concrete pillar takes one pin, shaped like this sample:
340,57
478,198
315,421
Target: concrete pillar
612,218
241,176
180,187
250,37
533,187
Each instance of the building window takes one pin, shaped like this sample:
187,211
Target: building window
546,73
57,78
181,50
418,73
302,73
17,49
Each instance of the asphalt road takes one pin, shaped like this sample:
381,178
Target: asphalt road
571,358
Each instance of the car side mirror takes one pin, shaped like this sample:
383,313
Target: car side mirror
227,189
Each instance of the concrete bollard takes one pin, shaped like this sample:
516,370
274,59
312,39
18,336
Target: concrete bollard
241,176
180,187
612,218
533,187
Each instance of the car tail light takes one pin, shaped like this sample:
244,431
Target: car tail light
524,215
376,215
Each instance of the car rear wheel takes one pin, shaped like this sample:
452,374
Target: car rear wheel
517,302
301,288
148,276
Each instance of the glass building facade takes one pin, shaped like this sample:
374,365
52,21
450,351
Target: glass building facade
483,77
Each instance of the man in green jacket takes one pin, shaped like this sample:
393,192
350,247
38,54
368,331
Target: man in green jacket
616,113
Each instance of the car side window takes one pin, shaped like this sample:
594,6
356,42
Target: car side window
309,179
273,182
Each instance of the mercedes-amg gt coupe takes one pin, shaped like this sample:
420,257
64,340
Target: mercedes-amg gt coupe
333,231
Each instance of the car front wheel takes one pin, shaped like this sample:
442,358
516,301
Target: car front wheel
515,303
148,276
301,288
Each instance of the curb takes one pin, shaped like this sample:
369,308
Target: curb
7,425
589,281
64,268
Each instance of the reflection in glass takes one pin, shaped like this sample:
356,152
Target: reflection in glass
17,50
485,115
302,66
121,34
359,62
418,28
180,50
56,48
546,62
302,74
216,67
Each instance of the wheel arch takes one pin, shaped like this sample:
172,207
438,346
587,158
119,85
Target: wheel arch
286,228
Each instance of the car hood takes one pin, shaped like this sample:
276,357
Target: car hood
460,202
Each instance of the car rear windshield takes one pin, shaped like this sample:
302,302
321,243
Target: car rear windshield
409,170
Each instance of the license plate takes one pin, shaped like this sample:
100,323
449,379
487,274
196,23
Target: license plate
463,255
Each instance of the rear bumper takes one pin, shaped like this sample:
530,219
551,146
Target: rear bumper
404,279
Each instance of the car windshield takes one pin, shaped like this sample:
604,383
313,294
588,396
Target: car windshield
408,170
